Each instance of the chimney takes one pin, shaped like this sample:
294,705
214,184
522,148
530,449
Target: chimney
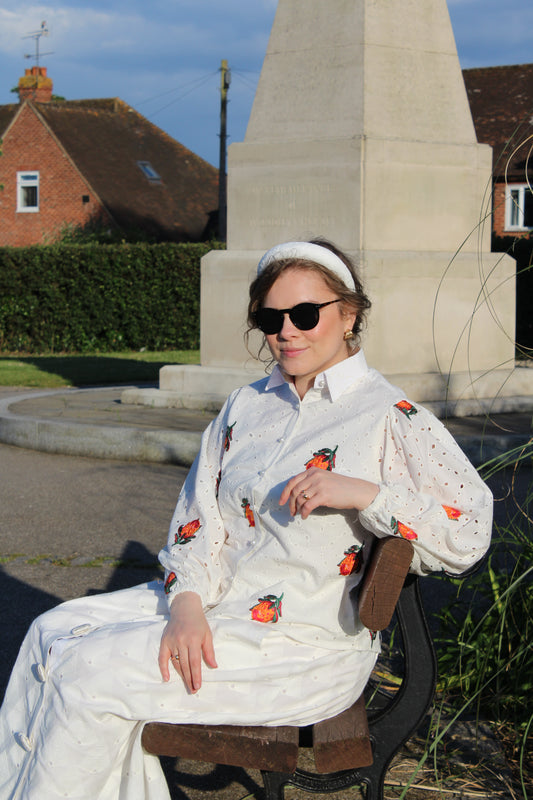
35,86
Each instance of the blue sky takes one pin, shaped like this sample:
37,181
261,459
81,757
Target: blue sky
163,56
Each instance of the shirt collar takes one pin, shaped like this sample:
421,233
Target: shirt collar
336,380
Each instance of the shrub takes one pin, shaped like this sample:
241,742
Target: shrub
92,297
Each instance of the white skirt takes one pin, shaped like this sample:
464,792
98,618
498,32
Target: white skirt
87,679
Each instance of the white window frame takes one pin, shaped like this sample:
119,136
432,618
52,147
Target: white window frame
27,180
515,203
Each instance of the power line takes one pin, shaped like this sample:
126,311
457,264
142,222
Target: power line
249,84
197,85
191,84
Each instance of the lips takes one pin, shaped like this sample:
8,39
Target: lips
292,353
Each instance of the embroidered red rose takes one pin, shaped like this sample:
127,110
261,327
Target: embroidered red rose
406,408
402,530
248,513
187,532
170,581
323,459
268,609
229,436
352,561
452,513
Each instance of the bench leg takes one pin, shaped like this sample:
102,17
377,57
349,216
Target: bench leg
274,783
373,787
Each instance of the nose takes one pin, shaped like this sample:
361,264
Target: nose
288,328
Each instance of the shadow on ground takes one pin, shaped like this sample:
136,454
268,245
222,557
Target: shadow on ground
82,370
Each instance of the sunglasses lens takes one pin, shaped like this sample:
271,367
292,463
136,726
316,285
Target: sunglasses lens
304,316
269,320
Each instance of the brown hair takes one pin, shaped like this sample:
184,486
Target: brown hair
351,300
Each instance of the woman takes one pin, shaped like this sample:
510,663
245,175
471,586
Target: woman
271,533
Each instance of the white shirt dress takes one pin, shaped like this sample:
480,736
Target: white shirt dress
277,589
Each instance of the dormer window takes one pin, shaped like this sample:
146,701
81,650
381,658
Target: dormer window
28,191
149,172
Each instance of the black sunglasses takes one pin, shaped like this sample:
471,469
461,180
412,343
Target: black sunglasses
304,316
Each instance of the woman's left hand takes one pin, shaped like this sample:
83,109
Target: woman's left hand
318,487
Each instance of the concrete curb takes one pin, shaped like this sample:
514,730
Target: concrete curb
97,441
128,443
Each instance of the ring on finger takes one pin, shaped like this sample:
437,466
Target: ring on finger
175,658
305,496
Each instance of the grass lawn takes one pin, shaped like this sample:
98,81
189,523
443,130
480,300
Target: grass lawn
51,371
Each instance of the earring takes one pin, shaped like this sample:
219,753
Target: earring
348,335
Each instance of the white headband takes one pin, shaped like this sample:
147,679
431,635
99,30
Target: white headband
308,252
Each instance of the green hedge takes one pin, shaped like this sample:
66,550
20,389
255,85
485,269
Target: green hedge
86,298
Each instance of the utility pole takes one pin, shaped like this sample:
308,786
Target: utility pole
225,80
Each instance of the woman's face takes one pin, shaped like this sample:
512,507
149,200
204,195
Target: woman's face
303,354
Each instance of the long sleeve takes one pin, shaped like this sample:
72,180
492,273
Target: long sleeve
192,555
429,493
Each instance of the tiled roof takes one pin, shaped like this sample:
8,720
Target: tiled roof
501,102
6,115
106,139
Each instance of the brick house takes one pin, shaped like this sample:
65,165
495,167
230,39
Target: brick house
501,102
71,163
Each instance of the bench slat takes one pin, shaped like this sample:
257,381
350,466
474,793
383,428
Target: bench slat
274,749
343,742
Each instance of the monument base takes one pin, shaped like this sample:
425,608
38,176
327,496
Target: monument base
457,395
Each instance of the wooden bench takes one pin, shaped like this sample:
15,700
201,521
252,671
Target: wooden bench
354,747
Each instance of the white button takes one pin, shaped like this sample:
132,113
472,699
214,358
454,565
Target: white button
281,439
41,672
24,742
79,630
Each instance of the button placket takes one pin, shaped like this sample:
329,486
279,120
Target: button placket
26,740
40,672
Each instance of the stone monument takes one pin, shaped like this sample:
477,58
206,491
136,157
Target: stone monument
361,132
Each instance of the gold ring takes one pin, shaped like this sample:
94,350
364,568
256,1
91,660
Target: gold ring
175,658
305,496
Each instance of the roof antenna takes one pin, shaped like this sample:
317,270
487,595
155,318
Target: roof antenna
37,36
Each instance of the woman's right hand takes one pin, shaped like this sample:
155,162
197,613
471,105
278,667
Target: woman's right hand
186,638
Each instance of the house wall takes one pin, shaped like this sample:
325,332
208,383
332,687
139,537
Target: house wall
498,214
29,146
